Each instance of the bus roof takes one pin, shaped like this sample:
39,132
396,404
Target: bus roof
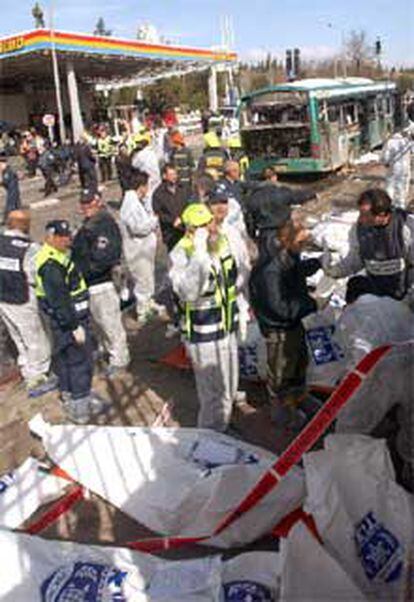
327,88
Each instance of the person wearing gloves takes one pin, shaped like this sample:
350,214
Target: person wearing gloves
63,297
280,300
381,243
204,277
19,309
97,251
396,157
139,224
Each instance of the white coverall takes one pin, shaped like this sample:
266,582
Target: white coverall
397,157
146,160
139,225
106,314
215,363
25,326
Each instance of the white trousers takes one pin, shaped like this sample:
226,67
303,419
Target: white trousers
397,187
140,259
28,332
216,370
106,315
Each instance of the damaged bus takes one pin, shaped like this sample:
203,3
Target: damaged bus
315,125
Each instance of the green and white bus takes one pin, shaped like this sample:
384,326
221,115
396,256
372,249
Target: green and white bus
315,125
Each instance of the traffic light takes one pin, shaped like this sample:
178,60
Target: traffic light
378,47
289,65
296,62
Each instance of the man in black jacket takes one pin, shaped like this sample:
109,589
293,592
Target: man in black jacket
96,251
10,183
86,164
168,202
267,197
279,297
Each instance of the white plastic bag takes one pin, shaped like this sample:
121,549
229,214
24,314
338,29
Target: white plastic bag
332,232
24,490
373,321
364,518
308,572
390,383
151,475
252,354
38,570
325,350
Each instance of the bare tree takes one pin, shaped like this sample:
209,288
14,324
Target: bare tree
358,50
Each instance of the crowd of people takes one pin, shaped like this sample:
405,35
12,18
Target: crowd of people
234,255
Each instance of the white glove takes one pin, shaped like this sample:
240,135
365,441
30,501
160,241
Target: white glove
79,335
200,240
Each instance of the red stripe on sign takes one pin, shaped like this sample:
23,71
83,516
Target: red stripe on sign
56,511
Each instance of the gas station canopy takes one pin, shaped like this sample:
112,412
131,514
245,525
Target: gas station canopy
25,57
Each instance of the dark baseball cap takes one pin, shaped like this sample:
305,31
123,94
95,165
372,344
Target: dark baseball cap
59,227
217,196
88,195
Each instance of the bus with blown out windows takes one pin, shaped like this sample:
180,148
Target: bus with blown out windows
316,125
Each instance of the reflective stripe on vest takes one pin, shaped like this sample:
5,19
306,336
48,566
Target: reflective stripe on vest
75,282
215,313
387,267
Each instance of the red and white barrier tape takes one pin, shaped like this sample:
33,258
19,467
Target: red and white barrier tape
291,456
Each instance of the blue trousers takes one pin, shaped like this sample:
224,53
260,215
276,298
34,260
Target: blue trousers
73,362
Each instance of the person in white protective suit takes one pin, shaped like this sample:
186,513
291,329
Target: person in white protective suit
219,205
396,156
369,321
145,159
204,277
18,304
139,226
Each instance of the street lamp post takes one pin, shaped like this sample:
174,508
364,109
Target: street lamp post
56,77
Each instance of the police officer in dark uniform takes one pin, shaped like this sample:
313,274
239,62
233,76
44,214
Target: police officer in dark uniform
19,309
86,164
382,244
10,182
63,296
96,251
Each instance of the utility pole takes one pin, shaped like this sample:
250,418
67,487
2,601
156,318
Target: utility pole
56,78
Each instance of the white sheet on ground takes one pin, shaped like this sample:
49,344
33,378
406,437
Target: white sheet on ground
373,321
52,571
24,490
151,474
364,518
308,572
389,384
55,571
